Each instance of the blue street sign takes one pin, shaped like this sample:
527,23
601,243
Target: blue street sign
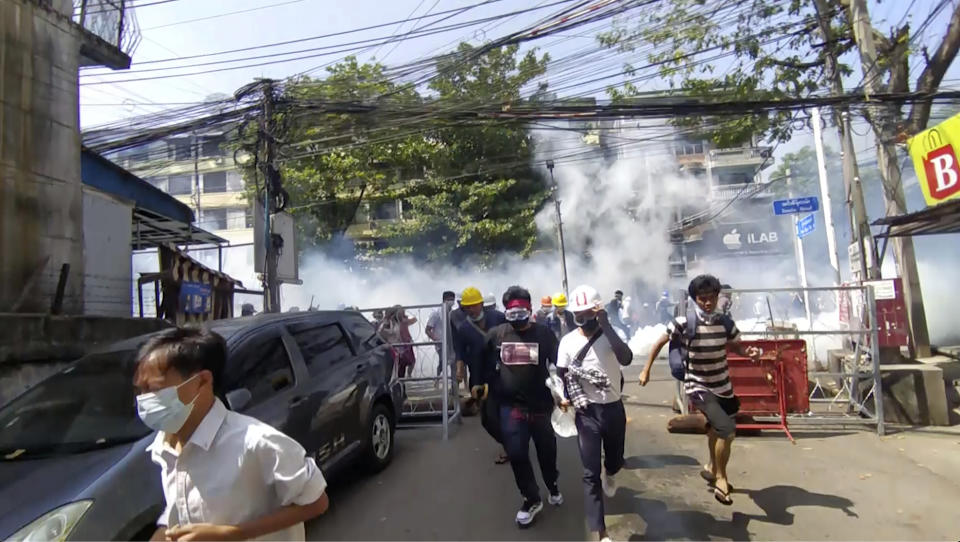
195,297
805,226
791,206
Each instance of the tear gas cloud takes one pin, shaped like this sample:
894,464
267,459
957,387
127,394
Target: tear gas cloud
610,243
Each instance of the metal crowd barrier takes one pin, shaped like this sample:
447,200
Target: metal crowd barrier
432,400
857,407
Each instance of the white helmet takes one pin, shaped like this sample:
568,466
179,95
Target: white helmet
489,300
584,298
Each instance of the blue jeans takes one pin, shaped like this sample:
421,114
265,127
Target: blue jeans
518,426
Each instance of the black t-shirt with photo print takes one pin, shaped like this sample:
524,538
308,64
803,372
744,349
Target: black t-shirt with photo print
518,362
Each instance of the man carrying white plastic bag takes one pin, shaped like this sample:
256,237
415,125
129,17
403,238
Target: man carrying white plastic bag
516,359
563,418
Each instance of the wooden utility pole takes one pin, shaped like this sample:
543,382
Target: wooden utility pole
884,126
859,225
271,283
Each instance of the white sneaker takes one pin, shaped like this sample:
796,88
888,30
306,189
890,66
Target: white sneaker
527,512
555,500
606,539
609,484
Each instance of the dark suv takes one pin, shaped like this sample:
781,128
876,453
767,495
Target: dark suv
73,463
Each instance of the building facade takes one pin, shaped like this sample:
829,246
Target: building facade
43,43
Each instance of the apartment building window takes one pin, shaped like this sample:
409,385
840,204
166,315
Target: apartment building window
214,219
178,185
234,181
236,218
386,211
688,147
737,177
211,146
248,217
158,182
153,151
182,149
215,182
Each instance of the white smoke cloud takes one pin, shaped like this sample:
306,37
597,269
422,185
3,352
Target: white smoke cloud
607,245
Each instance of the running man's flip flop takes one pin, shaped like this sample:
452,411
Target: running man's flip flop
722,498
711,479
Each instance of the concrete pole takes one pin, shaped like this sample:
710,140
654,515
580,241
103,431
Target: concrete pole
271,286
798,253
883,122
825,197
859,225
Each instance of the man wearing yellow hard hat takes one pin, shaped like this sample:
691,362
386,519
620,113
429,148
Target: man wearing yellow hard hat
560,321
471,337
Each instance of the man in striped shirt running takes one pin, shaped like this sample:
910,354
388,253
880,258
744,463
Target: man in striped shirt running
707,379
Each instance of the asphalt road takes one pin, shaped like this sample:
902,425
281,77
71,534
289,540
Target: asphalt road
838,485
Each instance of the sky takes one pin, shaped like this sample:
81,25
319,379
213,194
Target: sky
177,28
172,29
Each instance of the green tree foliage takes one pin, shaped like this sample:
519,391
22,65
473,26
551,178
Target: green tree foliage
480,194
335,161
468,186
802,167
729,51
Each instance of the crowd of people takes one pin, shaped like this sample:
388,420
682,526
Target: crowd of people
508,360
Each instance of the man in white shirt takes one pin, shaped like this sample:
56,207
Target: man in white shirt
435,332
589,361
225,476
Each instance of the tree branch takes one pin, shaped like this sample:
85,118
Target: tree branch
933,73
795,65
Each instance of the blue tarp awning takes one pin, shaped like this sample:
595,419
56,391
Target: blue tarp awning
158,218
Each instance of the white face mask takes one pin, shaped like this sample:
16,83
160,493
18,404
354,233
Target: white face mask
163,410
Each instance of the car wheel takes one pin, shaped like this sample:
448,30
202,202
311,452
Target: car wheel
379,438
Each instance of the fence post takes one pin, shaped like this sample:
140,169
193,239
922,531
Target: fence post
875,355
445,372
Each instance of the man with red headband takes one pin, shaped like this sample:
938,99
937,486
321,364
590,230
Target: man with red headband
516,361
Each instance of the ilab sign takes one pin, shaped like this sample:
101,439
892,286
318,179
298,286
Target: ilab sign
934,153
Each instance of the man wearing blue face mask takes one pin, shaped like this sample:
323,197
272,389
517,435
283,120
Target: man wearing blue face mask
225,476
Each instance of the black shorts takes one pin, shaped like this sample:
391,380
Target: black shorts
720,412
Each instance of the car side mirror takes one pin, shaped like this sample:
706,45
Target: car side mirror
239,398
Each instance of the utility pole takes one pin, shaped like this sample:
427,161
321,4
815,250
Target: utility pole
859,225
798,253
825,196
882,119
196,172
563,251
271,284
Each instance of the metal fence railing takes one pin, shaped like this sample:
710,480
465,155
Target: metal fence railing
113,21
424,363
842,346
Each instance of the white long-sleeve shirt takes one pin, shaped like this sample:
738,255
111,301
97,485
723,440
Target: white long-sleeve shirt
235,469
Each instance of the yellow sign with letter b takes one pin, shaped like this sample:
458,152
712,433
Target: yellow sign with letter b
934,154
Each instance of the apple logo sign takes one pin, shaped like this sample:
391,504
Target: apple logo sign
732,240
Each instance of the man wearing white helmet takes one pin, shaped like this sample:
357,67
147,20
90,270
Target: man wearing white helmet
589,362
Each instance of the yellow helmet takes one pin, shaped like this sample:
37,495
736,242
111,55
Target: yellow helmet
471,296
560,300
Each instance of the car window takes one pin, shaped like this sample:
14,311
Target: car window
363,333
262,366
90,404
321,345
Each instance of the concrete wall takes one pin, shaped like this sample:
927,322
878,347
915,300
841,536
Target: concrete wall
41,210
106,254
32,347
